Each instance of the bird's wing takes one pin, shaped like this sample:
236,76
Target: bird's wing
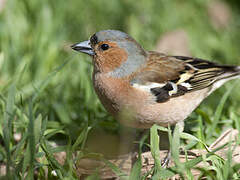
173,76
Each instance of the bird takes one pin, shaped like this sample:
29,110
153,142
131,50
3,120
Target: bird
141,88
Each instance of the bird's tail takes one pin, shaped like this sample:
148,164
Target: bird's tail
236,73
231,72
238,69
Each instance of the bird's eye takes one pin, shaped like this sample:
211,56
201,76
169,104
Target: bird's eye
104,47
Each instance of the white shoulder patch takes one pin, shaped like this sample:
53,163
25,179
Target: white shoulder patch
187,85
148,86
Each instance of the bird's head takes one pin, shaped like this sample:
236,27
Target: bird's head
114,52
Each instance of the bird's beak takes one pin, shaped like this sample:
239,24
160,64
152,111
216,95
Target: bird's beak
83,47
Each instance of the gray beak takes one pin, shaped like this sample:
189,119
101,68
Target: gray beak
83,47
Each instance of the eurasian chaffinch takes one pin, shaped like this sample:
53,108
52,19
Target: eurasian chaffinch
142,87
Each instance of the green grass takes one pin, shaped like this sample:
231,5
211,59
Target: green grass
46,94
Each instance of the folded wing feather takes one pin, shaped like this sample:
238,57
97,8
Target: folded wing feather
172,76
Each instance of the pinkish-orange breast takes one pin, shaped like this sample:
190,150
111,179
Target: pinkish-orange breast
117,94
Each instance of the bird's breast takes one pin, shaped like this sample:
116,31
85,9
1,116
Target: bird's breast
117,94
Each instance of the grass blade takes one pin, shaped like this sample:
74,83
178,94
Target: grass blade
7,124
154,145
219,111
30,152
81,138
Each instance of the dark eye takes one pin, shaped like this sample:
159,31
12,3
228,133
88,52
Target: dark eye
104,47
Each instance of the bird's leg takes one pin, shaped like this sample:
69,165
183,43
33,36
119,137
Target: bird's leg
167,159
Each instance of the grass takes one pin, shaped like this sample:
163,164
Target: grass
47,98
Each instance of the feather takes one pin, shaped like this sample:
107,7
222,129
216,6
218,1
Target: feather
172,76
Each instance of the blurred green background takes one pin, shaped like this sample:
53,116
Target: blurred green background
36,59
35,37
